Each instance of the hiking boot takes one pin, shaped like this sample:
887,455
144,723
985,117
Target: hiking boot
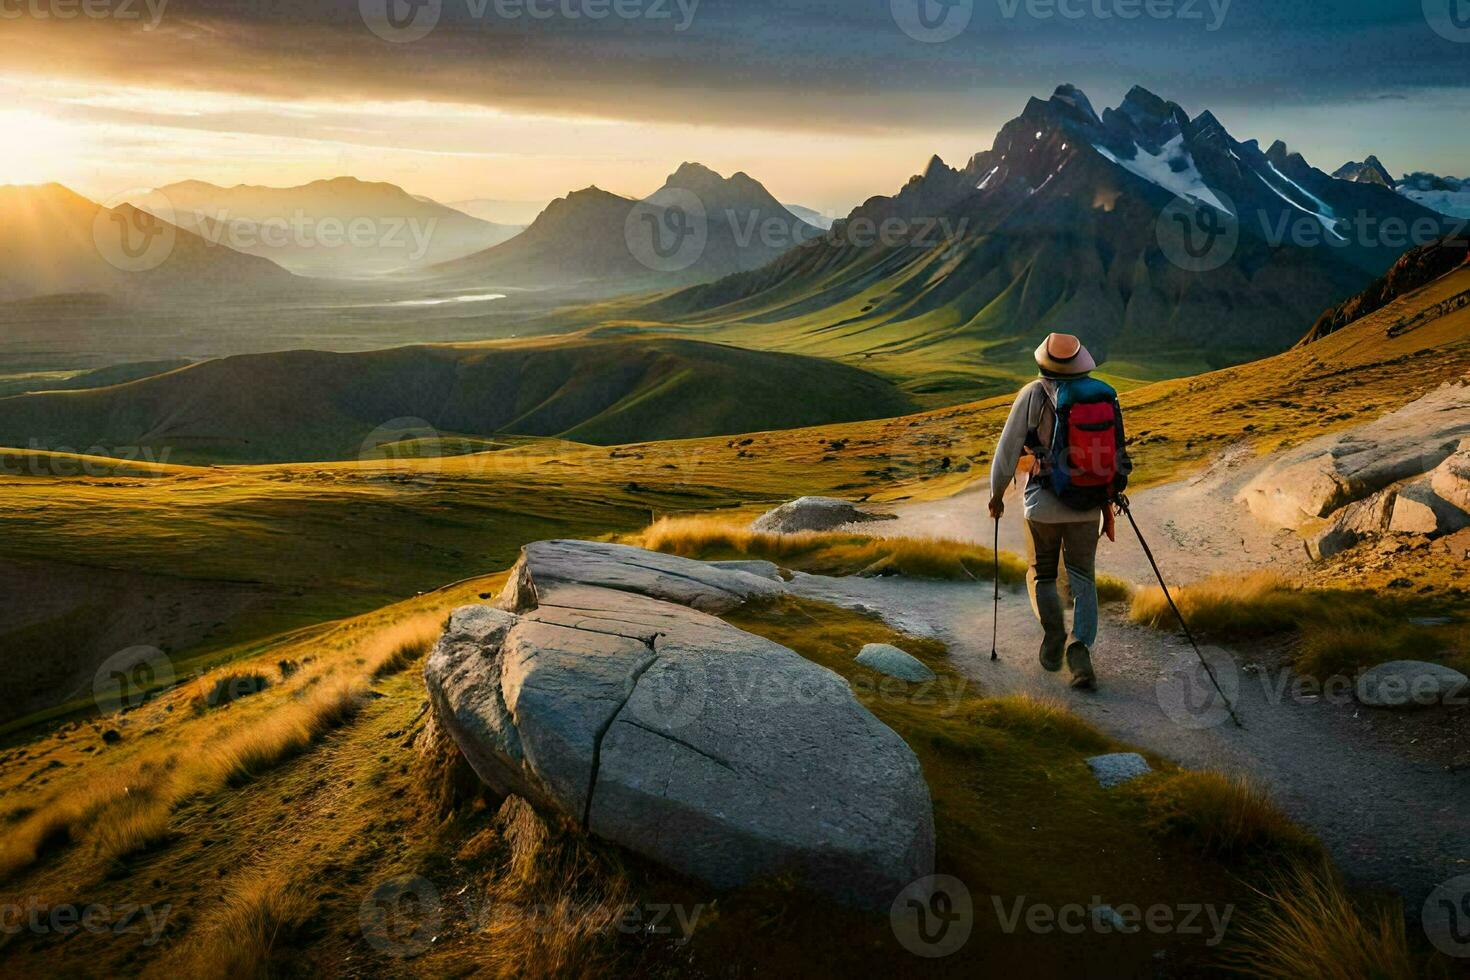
1051,653
1079,662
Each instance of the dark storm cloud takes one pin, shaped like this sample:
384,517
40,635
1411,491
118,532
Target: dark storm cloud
794,63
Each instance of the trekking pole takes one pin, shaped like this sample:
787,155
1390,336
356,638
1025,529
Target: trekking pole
1123,506
995,615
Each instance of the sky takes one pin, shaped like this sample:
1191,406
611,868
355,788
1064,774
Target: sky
827,102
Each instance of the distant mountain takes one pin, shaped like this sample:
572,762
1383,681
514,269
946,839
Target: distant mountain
1415,268
812,216
1369,171
696,228
54,241
1447,195
342,228
516,214
604,390
1067,223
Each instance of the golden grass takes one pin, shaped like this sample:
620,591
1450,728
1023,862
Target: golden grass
1223,816
127,809
1310,928
392,650
283,733
554,902
228,688
1025,715
245,936
1341,632
828,553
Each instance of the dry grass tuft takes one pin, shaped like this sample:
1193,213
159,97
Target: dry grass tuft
1023,714
246,936
1309,927
391,651
229,688
283,733
556,901
1224,817
828,553
1341,632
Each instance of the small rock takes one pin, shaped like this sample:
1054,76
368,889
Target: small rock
1419,510
112,736
1117,768
1410,684
890,660
814,514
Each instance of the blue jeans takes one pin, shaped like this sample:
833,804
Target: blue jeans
1073,544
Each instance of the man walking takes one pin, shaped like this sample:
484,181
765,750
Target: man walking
1067,428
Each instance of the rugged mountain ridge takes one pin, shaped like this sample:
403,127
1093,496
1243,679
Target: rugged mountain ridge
1061,225
697,227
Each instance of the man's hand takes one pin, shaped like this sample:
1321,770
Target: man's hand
997,508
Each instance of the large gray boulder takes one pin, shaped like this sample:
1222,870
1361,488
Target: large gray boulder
1417,509
1332,471
661,728
814,514
1451,479
699,585
1410,683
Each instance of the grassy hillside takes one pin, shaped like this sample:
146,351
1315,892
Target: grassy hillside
265,548
312,405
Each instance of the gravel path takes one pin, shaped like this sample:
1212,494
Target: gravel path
1389,822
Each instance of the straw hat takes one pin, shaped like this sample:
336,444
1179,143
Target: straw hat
1062,353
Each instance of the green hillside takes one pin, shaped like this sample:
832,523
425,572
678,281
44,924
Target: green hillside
313,405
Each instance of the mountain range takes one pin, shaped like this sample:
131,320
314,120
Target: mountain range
54,241
1064,224
340,228
1446,195
697,227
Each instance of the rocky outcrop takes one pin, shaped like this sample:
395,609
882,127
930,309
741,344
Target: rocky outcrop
1331,472
1410,683
814,514
603,692
1451,479
890,660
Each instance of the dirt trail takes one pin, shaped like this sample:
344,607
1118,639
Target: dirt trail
1389,822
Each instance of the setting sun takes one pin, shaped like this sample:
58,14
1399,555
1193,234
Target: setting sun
37,142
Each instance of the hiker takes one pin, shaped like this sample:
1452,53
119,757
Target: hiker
1066,431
